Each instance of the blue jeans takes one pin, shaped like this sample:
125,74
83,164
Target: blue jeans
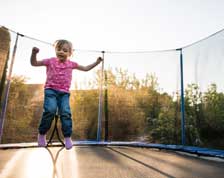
54,100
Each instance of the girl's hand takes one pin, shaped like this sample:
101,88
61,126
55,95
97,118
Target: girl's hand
35,50
99,60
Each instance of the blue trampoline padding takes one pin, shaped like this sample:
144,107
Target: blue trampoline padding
189,149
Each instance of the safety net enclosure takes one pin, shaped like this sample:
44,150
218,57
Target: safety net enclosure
204,87
167,97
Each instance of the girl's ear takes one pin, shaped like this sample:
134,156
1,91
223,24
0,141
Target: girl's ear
72,52
71,55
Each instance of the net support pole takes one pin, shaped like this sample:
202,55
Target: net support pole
99,123
6,95
183,136
106,125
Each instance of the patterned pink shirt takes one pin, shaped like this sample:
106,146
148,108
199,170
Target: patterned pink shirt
59,74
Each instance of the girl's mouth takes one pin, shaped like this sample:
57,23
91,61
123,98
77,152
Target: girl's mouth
61,56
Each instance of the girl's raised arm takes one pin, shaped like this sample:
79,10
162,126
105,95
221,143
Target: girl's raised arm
33,58
89,67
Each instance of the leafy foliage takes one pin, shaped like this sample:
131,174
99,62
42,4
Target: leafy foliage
4,57
137,110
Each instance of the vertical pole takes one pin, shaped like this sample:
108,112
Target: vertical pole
182,99
106,108
3,112
100,101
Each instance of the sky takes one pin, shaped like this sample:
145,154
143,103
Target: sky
115,24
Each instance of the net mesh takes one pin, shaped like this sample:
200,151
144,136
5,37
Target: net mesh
141,95
203,70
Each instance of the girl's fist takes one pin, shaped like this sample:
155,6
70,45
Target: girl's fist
35,50
99,59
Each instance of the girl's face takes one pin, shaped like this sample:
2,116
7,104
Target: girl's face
63,52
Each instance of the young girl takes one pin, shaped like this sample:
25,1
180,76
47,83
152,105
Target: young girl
56,93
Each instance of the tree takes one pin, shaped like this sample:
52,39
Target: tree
19,113
4,57
213,129
193,112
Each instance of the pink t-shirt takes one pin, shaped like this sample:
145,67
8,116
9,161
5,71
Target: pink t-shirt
59,74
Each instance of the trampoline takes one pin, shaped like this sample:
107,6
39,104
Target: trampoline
86,161
164,125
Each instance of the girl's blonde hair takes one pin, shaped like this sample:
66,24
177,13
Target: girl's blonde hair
60,43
